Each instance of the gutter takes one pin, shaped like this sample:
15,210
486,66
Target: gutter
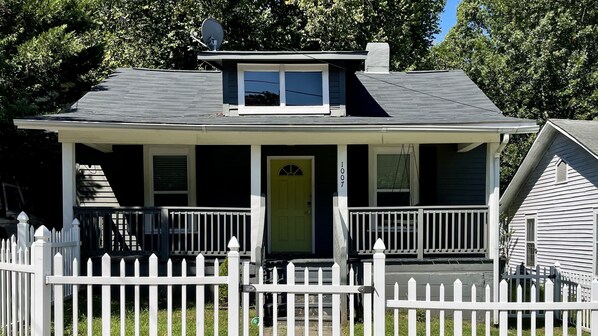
63,125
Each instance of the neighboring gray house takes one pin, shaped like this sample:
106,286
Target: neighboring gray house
300,155
551,204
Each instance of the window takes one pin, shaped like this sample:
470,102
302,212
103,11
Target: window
284,89
395,176
170,175
290,170
561,171
530,241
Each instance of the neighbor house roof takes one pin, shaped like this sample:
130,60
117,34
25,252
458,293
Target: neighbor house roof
155,98
583,132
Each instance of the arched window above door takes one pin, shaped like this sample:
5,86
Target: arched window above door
290,170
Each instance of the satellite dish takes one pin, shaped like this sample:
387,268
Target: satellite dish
212,34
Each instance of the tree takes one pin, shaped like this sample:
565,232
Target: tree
535,60
48,58
407,26
147,33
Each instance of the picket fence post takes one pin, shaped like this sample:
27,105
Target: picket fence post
594,317
233,287
379,288
23,231
42,262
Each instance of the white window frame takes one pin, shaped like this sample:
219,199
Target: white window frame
283,109
150,151
535,241
413,151
556,171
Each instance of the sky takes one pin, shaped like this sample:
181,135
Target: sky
448,18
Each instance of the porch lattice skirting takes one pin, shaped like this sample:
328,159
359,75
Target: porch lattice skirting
33,282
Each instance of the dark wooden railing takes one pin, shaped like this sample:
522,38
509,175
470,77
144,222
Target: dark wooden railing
164,231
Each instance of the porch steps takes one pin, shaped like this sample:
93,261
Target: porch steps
313,308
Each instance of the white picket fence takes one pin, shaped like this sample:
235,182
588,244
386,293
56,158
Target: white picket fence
16,271
38,283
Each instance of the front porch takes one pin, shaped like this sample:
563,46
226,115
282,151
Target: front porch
415,233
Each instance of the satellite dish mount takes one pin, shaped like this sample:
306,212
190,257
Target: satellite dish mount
212,34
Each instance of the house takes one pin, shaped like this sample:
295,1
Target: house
297,154
551,205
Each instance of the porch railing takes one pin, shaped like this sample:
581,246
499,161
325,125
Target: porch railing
164,231
420,231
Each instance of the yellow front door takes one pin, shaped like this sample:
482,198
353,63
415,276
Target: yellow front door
290,206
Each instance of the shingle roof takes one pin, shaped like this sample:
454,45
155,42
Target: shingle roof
585,132
426,97
195,98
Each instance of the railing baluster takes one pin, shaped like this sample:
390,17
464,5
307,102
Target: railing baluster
446,229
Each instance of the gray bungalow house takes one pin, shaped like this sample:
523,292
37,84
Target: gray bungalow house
298,154
551,205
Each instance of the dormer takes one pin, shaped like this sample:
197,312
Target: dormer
284,82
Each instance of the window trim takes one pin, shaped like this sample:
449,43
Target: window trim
556,172
535,241
149,152
413,151
283,109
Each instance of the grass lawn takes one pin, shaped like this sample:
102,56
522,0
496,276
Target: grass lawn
222,325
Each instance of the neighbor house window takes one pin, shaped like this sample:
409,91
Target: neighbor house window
530,241
170,176
285,88
561,171
395,179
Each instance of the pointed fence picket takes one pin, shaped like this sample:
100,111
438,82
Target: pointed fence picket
458,306
33,283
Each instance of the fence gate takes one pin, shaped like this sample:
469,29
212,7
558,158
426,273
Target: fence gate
531,279
301,300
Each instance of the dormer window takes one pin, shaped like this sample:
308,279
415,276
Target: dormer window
283,89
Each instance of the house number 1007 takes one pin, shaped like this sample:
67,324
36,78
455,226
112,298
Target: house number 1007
342,174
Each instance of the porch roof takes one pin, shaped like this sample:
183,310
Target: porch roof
143,98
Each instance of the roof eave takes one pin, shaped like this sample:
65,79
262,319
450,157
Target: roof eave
299,56
502,128
527,165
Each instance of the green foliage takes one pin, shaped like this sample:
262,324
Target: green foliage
223,290
47,58
407,26
535,60
156,33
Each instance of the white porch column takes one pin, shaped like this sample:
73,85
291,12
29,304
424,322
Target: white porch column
492,191
68,184
343,203
256,190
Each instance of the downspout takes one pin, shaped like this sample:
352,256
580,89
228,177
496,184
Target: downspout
503,144
496,217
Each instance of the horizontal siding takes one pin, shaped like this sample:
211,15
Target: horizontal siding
93,188
564,211
334,83
461,177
